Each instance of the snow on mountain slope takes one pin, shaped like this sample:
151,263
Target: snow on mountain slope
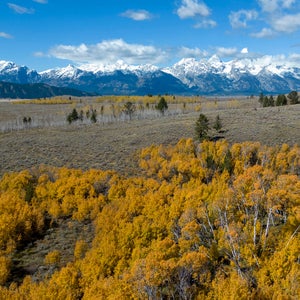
119,66
236,75
206,76
11,72
6,66
69,71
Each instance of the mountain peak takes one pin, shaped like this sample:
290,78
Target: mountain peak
215,60
6,65
187,61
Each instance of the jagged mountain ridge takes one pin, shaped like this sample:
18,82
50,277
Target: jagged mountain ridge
189,76
236,76
115,79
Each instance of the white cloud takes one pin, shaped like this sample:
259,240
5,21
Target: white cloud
109,51
41,1
239,18
294,58
288,60
5,35
244,51
273,5
206,24
226,52
192,8
268,5
287,23
192,52
264,33
288,3
281,15
137,15
20,9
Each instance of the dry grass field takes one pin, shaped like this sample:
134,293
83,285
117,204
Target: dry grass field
112,142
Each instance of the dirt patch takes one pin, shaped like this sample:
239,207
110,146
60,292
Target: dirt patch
62,236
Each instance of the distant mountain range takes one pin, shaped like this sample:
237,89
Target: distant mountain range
188,76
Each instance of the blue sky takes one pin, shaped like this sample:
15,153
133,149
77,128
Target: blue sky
44,34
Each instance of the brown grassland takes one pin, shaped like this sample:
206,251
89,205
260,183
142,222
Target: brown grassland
112,142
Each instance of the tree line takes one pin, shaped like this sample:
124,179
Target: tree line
280,100
128,109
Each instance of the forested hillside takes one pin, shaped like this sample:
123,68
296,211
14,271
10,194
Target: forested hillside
204,221
36,90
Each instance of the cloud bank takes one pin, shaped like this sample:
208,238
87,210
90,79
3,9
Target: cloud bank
277,17
109,51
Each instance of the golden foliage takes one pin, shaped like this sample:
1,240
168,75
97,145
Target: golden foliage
208,221
47,101
5,264
53,258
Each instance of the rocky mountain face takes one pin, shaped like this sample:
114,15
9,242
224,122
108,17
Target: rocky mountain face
188,76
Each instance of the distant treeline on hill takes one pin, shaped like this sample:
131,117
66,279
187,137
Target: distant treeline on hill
36,90
280,100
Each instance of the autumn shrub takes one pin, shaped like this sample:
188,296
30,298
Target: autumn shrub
80,249
5,265
53,257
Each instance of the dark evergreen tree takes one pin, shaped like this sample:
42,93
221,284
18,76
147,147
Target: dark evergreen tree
202,127
293,96
271,101
281,100
162,105
266,101
73,116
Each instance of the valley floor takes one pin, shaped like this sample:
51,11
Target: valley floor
113,145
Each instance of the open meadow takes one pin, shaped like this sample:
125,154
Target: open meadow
113,140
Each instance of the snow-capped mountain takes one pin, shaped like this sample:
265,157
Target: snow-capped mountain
236,76
11,72
189,76
118,78
120,66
